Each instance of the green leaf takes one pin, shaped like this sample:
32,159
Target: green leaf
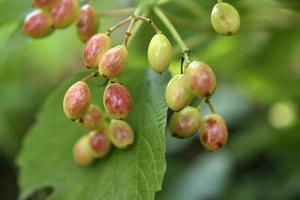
137,173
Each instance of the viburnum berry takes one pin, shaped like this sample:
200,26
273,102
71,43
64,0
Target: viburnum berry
65,13
201,79
225,19
82,151
87,23
45,4
214,133
185,122
77,100
121,134
93,118
113,62
117,100
99,142
159,53
178,94
37,24
94,49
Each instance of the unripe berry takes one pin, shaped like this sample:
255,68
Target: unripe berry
37,24
113,62
87,23
185,122
121,134
82,151
214,133
93,118
77,100
117,100
94,49
159,53
201,79
225,19
178,94
100,143
45,4
65,13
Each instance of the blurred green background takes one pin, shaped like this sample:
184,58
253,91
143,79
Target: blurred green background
258,73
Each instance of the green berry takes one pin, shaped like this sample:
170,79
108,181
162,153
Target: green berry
113,62
159,53
94,49
214,133
121,134
77,100
225,19
82,151
37,24
178,94
87,23
185,122
65,13
100,143
45,4
201,79
93,118
117,101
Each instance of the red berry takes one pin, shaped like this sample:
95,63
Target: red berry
100,143
117,101
82,151
45,4
37,24
121,134
93,118
65,13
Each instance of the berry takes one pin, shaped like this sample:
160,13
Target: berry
178,94
121,134
93,118
225,19
113,62
82,151
77,100
87,23
94,49
99,142
65,13
214,133
159,53
117,100
201,79
45,4
185,122
37,24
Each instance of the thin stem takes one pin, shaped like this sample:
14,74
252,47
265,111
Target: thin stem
118,25
128,32
116,13
211,107
174,33
201,104
91,75
150,22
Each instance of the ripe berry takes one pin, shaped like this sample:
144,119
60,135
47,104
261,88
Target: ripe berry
225,19
99,142
45,4
37,24
201,79
94,49
77,100
117,100
113,62
214,133
93,118
82,151
178,94
185,122
159,53
65,13
121,134
87,23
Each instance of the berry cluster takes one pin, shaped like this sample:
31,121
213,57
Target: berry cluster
107,126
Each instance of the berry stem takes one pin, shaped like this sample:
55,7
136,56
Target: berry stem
211,107
174,33
118,25
129,30
116,13
150,22
201,104
91,75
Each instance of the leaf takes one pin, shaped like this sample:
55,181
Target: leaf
137,173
